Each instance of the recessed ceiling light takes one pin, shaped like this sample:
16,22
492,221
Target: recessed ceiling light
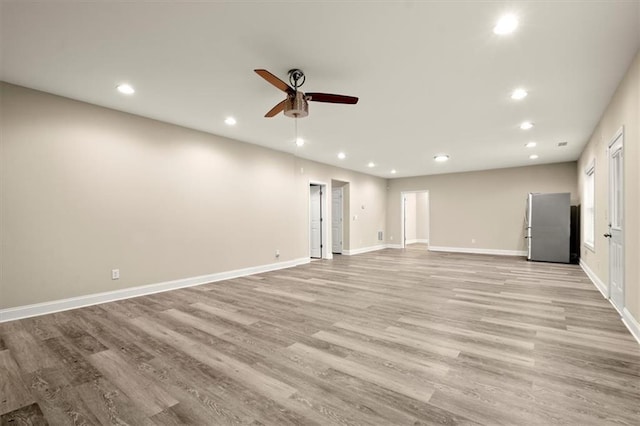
506,25
533,156
526,125
519,94
531,144
299,142
126,89
393,172
342,155
230,121
441,158
371,164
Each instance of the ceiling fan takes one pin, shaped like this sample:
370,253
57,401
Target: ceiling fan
296,105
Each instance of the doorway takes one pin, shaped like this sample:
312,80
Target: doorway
315,221
319,238
337,197
616,221
415,218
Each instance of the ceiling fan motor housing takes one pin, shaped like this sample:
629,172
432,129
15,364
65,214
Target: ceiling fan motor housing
296,106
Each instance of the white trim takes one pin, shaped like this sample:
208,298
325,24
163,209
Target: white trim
364,250
632,324
402,215
479,251
325,251
601,286
591,167
618,135
418,241
19,312
394,246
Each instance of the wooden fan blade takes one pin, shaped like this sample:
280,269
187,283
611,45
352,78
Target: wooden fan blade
275,81
276,109
334,99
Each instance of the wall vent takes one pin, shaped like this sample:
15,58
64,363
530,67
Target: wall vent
379,235
562,143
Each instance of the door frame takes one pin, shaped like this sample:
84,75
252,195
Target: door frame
402,214
618,135
325,219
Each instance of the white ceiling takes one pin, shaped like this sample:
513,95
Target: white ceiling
432,77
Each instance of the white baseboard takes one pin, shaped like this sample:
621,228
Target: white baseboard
602,287
364,250
479,251
627,319
417,241
19,312
632,324
394,246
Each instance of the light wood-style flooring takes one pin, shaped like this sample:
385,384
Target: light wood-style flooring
393,337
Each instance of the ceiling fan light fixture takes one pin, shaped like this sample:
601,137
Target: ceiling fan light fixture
296,106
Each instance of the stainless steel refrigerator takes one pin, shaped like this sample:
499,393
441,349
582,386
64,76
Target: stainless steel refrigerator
549,227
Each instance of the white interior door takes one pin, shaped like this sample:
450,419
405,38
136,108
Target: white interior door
315,220
616,219
336,220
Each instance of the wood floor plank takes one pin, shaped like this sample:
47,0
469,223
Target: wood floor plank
237,370
403,386
150,398
30,354
13,391
27,415
231,315
388,337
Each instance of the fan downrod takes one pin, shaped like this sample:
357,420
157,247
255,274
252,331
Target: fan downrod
296,78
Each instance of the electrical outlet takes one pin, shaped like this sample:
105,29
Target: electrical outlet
277,253
115,274
473,241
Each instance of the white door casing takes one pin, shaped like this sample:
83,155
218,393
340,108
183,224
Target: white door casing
315,221
616,221
336,220
406,215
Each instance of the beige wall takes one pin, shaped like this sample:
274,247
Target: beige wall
487,206
622,111
86,189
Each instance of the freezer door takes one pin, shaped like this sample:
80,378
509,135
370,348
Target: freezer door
550,217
